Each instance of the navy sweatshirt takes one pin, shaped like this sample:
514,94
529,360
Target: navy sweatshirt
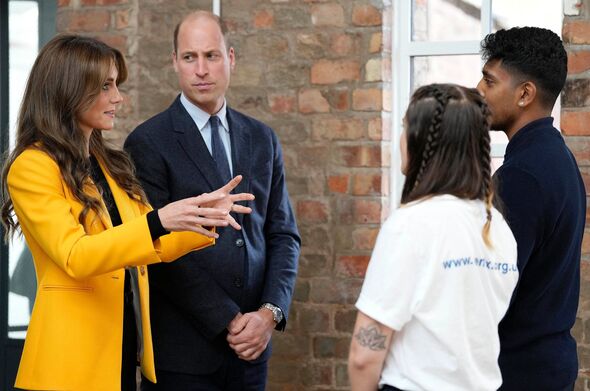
544,202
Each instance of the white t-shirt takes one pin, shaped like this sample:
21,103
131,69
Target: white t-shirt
432,279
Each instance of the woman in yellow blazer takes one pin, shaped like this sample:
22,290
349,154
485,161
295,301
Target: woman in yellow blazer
66,189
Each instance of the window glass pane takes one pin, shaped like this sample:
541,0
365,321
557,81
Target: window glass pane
23,23
446,20
464,70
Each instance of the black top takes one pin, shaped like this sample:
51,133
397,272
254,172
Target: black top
545,205
154,223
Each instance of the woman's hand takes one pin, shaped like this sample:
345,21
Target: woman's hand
207,210
225,201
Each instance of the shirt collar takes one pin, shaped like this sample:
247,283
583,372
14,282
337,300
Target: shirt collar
521,136
201,117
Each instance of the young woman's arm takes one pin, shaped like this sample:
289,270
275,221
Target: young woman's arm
368,349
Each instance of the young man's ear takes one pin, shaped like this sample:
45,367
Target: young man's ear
528,94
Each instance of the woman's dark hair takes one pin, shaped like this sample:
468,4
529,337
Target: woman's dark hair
66,78
448,146
530,53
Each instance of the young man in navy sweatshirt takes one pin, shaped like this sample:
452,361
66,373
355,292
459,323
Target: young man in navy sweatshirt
544,202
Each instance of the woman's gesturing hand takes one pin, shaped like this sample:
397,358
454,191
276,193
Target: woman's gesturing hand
206,210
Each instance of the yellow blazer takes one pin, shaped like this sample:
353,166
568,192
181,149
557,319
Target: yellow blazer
74,339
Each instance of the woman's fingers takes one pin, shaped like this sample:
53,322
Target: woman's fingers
229,186
205,232
211,212
233,222
241,197
206,198
241,209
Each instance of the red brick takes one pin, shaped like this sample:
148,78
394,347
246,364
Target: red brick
63,3
281,103
360,155
314,319
263,19
312,212
337,129
116,41
367,184
367,211
334,290
376,43
344,320
367,99
366,15
575,123
316,373
586,243
577,32
344,44
332,72
312,101
338,183
339,98
331,347
375,129
122,19
329,14
102,2
364,238
87,21
353,265
578,61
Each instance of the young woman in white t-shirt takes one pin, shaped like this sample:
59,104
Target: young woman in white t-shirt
444,266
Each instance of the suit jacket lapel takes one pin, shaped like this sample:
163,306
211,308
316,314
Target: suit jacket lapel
190,140
241,148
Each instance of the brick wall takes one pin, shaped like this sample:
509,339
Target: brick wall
319,72
313,70
575,123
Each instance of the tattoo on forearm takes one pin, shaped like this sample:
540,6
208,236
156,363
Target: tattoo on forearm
371,338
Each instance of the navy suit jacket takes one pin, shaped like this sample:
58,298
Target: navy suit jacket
194,298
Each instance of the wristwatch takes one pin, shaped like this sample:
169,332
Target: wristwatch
277,313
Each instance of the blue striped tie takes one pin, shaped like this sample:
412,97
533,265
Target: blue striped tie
218,150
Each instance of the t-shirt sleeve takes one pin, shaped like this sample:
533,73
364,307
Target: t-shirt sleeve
389,292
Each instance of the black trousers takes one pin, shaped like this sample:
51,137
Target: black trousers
129,358
233,375
389,388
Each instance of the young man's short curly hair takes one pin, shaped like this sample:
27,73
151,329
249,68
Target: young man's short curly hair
532,53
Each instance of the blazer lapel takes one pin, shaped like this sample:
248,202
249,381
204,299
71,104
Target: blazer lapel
190,140
241,147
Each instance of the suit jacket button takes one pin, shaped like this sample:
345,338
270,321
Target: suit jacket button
238,282
240,242
142,270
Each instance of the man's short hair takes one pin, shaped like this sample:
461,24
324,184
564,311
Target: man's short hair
206,14
530,53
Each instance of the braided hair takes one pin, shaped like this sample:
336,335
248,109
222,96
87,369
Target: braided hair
448,145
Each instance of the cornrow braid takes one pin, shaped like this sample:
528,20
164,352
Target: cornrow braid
433,135
487,191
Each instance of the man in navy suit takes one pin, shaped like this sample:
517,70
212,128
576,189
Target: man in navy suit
213,312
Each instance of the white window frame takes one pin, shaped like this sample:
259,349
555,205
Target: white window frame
404,49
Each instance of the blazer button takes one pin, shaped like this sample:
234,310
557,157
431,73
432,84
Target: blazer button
142,270
238,282
240,242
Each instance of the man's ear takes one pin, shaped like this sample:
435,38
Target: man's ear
528,93
232,58
174,61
